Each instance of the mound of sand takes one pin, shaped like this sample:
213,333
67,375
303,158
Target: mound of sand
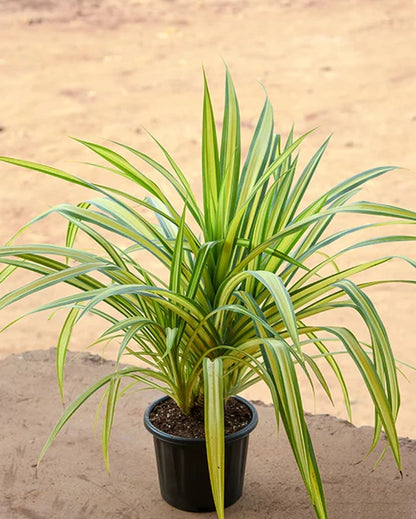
72,482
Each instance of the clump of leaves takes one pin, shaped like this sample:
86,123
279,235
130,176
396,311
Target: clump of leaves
241,292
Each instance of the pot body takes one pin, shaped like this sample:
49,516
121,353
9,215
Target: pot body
183,468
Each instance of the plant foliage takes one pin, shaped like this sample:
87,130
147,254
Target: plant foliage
241,292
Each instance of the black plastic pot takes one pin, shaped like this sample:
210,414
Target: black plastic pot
183,468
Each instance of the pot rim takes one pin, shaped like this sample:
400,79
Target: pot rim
178,440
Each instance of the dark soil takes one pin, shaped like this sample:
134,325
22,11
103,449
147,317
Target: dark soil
168,417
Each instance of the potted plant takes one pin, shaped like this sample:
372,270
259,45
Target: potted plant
248,284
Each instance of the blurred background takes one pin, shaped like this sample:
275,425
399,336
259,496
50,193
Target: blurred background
112,69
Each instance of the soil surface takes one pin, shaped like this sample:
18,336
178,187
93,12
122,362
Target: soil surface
112,69
167,417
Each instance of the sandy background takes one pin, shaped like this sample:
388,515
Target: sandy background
108,69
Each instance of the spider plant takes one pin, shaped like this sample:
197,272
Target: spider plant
247,271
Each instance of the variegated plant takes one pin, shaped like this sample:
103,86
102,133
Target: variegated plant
240,294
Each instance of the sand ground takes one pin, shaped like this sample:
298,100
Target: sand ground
71,482
109,69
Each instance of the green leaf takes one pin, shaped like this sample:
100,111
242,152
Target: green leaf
48,281
384,361
126,169
182,186
77,403
175,277
258,154
72,230
284,379
374,385
214,429
62,346
283,301
210,165
48,171
112,397
171,334
229,158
